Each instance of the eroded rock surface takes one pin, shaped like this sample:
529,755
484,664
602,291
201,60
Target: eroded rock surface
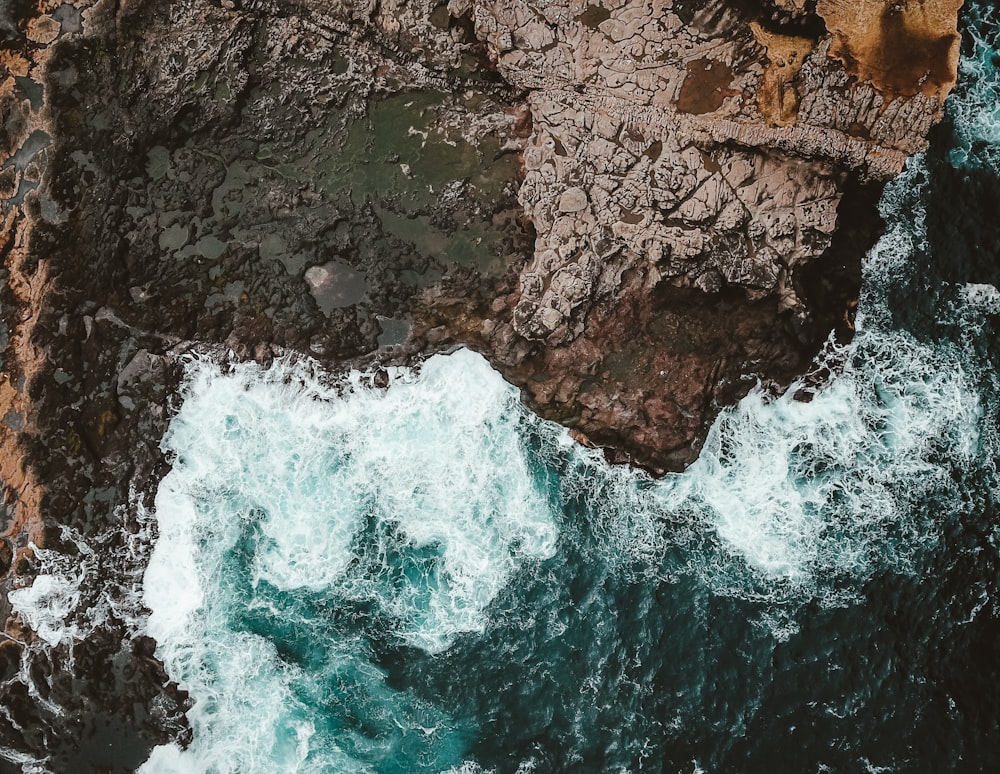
637,210
704,146
901,48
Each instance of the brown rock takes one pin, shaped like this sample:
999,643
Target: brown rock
6,556
902,47
714,147
43,29
778,100
705,87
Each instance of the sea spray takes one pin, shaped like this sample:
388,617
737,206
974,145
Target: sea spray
52,603
82,588
307,534
974,108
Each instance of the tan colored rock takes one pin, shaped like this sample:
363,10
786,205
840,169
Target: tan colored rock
14,63
43,29
902,47
573,200
778,99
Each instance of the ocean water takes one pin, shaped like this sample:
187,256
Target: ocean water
430,578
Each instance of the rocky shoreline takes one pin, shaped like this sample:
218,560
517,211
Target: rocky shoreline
637,211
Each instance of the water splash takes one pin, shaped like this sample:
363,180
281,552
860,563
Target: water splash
332,523
974,108
306,532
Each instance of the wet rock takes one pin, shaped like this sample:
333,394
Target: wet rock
24,564
6,556
10,659
335,285
706,146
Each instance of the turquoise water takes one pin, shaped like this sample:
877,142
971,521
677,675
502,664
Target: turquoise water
430,578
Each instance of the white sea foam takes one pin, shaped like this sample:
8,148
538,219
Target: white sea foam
981,296
976,104
28,764
808,491
793,491
432,465
52,604
799,489
46,605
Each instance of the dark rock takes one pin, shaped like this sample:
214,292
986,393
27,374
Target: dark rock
6,556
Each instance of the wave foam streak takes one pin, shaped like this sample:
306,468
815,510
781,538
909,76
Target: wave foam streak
975,107
827,489
308,535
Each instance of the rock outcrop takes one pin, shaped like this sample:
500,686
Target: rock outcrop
637,209
697,146
902,49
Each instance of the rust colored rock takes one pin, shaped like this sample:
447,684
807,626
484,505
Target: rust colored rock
705,88
902,47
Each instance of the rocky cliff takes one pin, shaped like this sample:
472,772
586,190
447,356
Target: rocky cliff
636,210
687,171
